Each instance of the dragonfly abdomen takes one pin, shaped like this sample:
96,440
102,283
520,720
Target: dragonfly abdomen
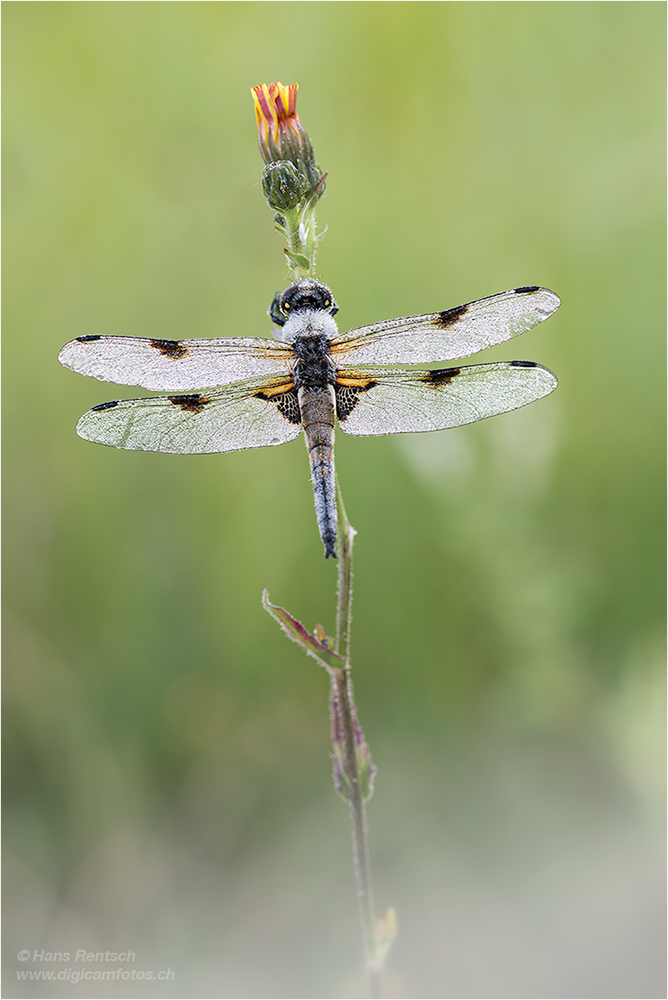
317,407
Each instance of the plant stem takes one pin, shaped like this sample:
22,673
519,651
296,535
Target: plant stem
351,740
344,607
298,225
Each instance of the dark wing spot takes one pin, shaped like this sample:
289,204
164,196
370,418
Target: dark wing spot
348,396
527,288
170,348
192,403
449,316
440,376
286,403
88,337
524,364
105,406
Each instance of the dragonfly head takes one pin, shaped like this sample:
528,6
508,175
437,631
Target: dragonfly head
306,295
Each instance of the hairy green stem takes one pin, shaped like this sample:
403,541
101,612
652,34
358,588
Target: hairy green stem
298,225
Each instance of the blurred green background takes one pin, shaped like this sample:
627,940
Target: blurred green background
167,783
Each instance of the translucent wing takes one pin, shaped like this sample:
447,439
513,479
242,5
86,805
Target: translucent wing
375,401
249,415
176,364
454,333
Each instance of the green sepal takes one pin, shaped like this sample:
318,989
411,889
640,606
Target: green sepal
284,187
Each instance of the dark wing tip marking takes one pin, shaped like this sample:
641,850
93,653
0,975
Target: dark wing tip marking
88,337
525,364
104,406
440,376
449,316
527,288
170,348
190,403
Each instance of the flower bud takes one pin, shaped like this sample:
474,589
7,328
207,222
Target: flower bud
281,136
283,186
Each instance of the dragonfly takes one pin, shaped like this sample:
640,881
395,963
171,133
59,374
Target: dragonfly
232,393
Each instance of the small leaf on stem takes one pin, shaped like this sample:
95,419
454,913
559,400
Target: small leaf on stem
367,771
297,260
309,643
341,783
322,636
384,934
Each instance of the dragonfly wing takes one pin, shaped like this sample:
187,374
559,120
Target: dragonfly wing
176,364
453,333
376,401
249,415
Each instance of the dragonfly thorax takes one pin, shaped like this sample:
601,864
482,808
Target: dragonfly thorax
314,367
